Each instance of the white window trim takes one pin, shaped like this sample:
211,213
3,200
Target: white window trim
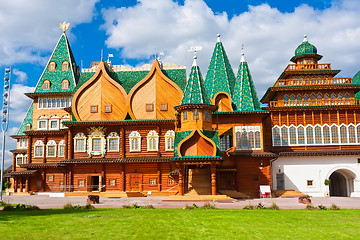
248,129
47,151
20,156
135,135
57,124
46,124
61,144
118,143
39,143
80,136
152,135
170,134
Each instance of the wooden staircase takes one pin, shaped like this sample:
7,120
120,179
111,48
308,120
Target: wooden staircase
199,182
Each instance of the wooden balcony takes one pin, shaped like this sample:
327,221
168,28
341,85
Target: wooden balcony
314,81
309,103
302,67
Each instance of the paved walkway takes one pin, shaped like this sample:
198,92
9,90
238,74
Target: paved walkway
45,202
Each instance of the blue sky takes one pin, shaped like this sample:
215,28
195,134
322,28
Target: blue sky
134,30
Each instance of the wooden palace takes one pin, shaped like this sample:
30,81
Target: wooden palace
113,128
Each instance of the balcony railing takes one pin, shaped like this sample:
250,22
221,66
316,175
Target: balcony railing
306,103
301,67
314,81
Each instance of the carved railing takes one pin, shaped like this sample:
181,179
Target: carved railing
313,81
301,67
306,103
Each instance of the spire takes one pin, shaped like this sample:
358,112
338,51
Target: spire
220,76
245,96
55,71
195,90
242,54
305,38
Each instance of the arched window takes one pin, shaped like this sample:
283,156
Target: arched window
135,141
326,134
185,115
153,141
169,140
68,102
347,96
61,148
309,135
326,96
319,96
251,135
58,103
358,133
292,135
46,85
244,139
292,98
318,135
49,103
28,127
257,137
334,134
286,98
65,66
19,159
44,103
352,135
238,139
195,114
207,115
52,66
53,103
312,97
113,142
40,104
299,98
80,142
276,136
51,149
301,135
306,98
343,134
42,123
284,136
39,149
65,84
340,96
63,102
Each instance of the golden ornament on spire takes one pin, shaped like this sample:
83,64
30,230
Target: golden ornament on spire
64,26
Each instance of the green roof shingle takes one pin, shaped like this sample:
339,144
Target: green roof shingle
27,119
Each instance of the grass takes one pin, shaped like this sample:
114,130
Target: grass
179,224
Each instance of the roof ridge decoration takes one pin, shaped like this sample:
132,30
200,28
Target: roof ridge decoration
62,52
305,48
245,97
195,91
220,76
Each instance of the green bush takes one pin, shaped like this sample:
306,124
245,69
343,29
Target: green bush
310,207
8,207
209,206
334,207
89,206
260,206
249,207
322,207
274,206
126,206
77,207
148,207
7,185
68,206
191,207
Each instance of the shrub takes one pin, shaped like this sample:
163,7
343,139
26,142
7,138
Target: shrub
191,207
334,207
89,206
249,207
274,206
322,207
68,206
260,206
7,185
209,206
135,206
149,206
327,182
310,207
32,207
126,206
8,207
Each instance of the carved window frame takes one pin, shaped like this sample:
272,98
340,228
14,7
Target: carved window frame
135,141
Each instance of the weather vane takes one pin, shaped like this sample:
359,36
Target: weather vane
64,26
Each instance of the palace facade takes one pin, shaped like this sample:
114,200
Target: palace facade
116,129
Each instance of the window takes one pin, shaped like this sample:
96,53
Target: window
58,103
54,124
334,134
64,119
207,115
292,135
343,134
318,135
112,182
52,66
309,135
301,135
81,183
28,127
169,140
225,142
79,142
310,183
63,103
51,148
38,184
93,108
68,102
195,114
326,134
40,103
185,115
65,84
170,181
286,98
149,107
108,108
61,150
49,103
135,141
19,159
46,85
284,136
42,124
358,133
113,142
152,141
248,137
51,178
163,107
65,66
276,136
152,181
352,137
39,149
96,144
23,143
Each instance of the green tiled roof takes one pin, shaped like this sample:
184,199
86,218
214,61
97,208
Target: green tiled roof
245,96
27,119
356,80
220,75
195,90
305,48
213,135
128,79
61,53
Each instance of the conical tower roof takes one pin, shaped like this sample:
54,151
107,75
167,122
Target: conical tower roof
195,90
61,53
220,76
245,96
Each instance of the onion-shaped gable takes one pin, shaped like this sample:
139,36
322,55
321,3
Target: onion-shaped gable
197,144
100,98
154,97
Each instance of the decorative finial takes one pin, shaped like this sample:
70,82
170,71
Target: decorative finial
242,53
64,26
305,38
218,37
194,62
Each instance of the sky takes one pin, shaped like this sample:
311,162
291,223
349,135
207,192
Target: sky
133,31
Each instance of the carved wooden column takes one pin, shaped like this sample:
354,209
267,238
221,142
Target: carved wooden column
123,178
45,150
181,180
66,151
15,184
103,180
159,177
27,184
29,157
70,148
123,142
14,163
21,184
43,175
213,179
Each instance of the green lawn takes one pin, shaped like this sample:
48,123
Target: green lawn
179,224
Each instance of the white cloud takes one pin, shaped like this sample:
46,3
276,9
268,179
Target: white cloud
21,77
270,36
19,103
28,28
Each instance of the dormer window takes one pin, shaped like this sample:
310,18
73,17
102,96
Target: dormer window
52,66
46,85
28,127
65,84
195,114
65,66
